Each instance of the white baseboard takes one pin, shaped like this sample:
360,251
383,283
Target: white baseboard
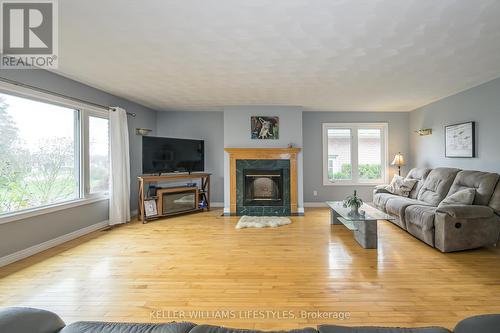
315,204
133,213
16,256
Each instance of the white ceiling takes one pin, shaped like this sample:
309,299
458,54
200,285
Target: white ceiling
331,55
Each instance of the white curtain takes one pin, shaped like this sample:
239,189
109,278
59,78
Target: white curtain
119,187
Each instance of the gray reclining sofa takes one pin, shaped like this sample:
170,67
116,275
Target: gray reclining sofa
29,320
451,227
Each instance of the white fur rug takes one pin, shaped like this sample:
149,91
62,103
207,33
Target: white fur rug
262,221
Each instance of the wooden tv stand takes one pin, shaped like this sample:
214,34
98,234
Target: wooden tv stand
202,192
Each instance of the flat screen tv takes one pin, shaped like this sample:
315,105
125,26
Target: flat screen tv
163,155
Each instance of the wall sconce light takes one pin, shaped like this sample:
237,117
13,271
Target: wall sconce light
424,131
142,131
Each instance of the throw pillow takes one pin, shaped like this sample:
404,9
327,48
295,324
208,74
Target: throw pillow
462,197
401,186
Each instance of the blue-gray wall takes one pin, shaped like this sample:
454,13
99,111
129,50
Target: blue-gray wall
19,235
480,104
313,153
208,126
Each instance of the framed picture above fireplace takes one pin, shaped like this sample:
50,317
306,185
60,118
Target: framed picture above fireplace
264,127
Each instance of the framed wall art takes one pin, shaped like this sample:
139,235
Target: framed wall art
264,127
460,140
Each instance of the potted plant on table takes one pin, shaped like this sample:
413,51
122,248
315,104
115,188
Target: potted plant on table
354,202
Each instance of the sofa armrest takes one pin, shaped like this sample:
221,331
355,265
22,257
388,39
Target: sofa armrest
29,320
466,211
461,227
380,189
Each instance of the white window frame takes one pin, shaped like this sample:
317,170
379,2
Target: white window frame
354,127
328,164
81,138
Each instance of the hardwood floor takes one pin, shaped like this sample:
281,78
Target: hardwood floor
199,262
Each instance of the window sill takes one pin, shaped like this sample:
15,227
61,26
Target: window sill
25,214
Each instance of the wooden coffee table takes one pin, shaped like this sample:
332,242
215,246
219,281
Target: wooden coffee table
364,227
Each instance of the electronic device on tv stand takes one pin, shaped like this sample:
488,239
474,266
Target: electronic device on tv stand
172,155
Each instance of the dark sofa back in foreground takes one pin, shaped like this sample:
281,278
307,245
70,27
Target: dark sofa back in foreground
29,320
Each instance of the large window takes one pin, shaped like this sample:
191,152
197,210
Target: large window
354,154
50,152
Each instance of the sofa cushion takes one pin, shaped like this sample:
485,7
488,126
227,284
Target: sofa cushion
420,222
462,197
483,182
397,207
436,185
219,329
380,199
29,320
420,215
489,323
373,329
401,186
107,327
420,174
495,200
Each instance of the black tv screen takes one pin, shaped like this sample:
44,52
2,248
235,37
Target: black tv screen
172,155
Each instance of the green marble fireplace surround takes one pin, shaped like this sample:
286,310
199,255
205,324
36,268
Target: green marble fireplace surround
263,164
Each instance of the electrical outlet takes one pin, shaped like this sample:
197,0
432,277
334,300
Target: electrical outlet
315,193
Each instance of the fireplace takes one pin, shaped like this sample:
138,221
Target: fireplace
262,181
263,187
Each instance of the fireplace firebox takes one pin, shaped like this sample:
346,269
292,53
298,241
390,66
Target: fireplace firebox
263,187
